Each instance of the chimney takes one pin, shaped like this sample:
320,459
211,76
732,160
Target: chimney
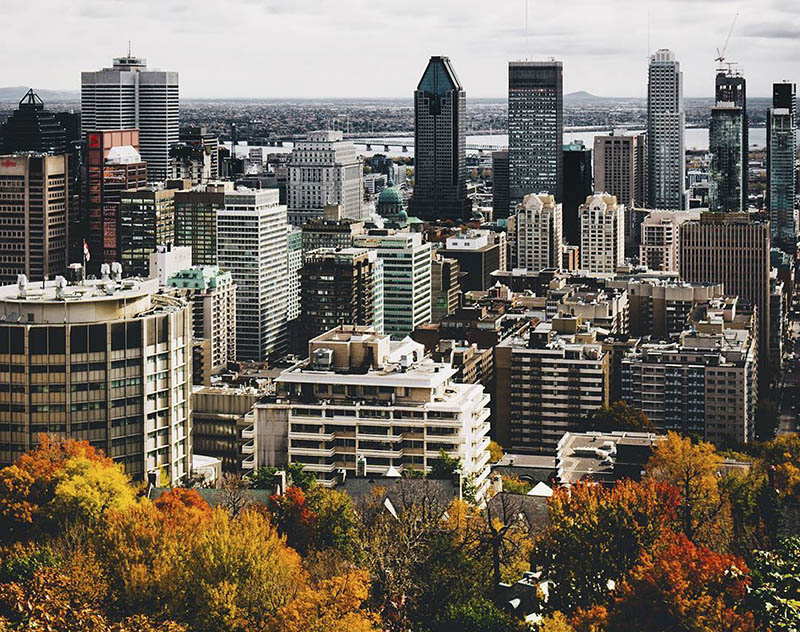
361,466
280,488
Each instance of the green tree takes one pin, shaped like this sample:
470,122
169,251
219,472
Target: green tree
335,520
775,593
263,478
300,478
619,416
477,615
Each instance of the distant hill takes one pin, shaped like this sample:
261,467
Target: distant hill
15,93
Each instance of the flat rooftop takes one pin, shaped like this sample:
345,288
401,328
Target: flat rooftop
89,290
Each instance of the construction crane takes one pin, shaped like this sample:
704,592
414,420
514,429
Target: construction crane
720,58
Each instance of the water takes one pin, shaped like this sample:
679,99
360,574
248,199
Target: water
696,138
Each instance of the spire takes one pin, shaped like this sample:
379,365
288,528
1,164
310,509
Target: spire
31,99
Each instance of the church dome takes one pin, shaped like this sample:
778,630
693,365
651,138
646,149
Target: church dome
390,195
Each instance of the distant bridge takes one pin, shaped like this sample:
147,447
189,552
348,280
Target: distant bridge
369,143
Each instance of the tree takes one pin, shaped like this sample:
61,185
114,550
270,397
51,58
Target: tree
293,518
444,466
505,534
335,520
781,458
477,615
704,511
263,478
767,419
495,452
682,586
235,495
515,485
597,535
619,416
775,595
300,478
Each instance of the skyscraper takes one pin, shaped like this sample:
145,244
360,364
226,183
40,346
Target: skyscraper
324,169
781,150
539,233
32,128
535,129
501,206
440,118
731,87
128,96
725,181
666,169
196,220
252,245
577,187
146,220
602,246
619,167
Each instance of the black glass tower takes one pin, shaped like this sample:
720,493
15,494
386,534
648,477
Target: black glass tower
440,110
731,87
32,128
577,187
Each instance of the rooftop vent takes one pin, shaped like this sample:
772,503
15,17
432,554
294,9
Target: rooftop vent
323,359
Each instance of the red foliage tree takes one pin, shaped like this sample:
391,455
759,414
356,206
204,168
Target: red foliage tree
293,518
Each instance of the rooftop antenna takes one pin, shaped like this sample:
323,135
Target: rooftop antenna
720,58
129,49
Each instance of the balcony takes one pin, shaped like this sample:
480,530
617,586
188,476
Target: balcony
249,447
249,433
312,436
326,452
249,463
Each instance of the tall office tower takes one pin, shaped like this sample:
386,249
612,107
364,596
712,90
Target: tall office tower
577,187
252,246
660,239
195,157
781,151
113,166
501,206
196,220
34,199
445,287
324,169
406,280
539,236
212,293
337,288
294,261
440,119
602,234
732,249
547,382
32,128
666,169
146,221
725,178
619,167
128,96
106,362
535,129
731,87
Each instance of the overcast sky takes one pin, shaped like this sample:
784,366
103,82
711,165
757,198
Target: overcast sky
378,48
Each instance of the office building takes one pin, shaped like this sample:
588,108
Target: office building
602,246
332,230
539,233
732,249
106,362
440,120
337,287
34,204
324,169
535,129
294,253
705,384
731,87
478,255
619,166
196,220
212,293
114,165
147,220
548,380
129,96
501,204
406,280
726,184
577,187
362,400
252,246
781,154
666,169
445,287
660,239
195,157
32,128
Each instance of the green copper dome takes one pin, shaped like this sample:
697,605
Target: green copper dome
390,195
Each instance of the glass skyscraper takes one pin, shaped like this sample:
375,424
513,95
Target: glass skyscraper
781,147
535,129
440,117
725,142
731,87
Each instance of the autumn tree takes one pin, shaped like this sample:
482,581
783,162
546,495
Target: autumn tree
495,452
619,416
694,469
683,586
293,518
334,520
597,535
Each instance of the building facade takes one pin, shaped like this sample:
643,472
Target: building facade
535,129
577,187
196,220
147,220
539,233
129,96
619,166
478,255
726,184
106,362
731,87
501,199
445,287
440,119
781,154
32,128
666,169
602,234
252,246
659,249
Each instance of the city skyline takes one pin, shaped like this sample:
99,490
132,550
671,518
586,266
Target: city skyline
258,32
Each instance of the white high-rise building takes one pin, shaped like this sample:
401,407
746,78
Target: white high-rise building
666,168
602,234
406,280
539,233
128,96
252,246
660,243
324,169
